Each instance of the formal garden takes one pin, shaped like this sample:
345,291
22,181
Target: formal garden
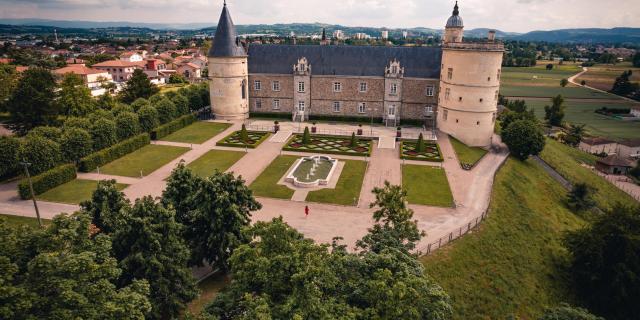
213,160
342,145
244,139
420,150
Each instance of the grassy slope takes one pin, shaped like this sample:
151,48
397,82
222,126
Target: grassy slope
198,132
566,161
215,159
348,187
266,183
583,112
510,266
73,192
467,154
17,221
147,159
426,185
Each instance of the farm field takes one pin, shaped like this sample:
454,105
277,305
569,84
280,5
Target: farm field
602,76
596,124
548,92
510,268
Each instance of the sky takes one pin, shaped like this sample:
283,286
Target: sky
506,15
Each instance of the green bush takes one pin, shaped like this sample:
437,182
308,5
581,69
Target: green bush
173,126
92,161
103,133
148,117
47,180
166,110
127,125
75,122
139,103
10,147
75,143
42,153
51,133
181,103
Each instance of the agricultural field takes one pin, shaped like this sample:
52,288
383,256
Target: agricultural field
602,76
511,267
582,112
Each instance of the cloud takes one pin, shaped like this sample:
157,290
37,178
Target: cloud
508,15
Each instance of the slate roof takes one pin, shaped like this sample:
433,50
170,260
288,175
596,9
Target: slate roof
455,20
226,42
418,62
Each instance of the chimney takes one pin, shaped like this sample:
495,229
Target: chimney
492,35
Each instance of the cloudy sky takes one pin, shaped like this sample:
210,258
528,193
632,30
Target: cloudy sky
507,15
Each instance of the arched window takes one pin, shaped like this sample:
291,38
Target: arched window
243,88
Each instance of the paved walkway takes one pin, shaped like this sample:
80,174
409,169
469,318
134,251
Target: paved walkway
386,142
471,190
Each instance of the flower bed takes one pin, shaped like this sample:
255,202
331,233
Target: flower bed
431,151
235,140
330,145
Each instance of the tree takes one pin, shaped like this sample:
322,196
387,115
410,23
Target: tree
75,144
75,97
306,136
75,122
564,82
64,272
138,86
244,135
623,86
604,266
107,207
524,138
32,103
181,103
567,312
420,144
177,79
9,161
106,102
636,60
139,103
549,66
103,133
127,125
555,113
100,114
580,197
574,136
166,110
109,86
9,81
120,108
51,133
42,153
149,246
354,140
148,117
213,215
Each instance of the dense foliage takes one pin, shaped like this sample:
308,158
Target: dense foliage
47,180
75,144
524,138
102,157
75,97
138,86
32,103
555,113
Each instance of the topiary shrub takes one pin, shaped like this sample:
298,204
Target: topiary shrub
9,163
181,103
42,153
354,141
103,133
47,180
51,133
127,125
148,117
420,144
120,108
244,135
92,161
166,110
139,103
75,122
306,136
75,143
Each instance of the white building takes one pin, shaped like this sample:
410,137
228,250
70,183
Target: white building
338,34
385,34
93,78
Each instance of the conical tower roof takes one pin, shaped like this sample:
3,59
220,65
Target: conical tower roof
226,42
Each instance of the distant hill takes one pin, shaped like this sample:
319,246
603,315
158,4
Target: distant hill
614,35
109,24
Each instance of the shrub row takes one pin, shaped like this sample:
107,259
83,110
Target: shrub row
222,142
172,126
47,180
271,115
362,119
104,156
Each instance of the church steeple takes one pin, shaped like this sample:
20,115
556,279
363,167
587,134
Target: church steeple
226,42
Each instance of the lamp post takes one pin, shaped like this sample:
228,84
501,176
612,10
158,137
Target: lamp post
33,196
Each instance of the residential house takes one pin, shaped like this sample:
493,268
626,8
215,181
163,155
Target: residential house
120,70
629,149
131,56
157,71
614,164
93,78
190,71
598,145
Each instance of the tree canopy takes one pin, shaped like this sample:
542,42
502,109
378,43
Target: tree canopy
32,103
138,86
555,113
524,138
75,97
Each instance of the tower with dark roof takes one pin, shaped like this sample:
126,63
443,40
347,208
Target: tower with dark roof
454,28
228,71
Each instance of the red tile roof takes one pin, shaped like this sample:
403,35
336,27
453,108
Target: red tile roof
79,69
119,63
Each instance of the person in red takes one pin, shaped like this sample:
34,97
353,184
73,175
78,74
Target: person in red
306,211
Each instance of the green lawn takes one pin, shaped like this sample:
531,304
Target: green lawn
542,91
209,289
596,124
347,190
215,159
198,132
566,161
466,155
266,183
538,75
426,185
511,266
73,192
146,159
17,221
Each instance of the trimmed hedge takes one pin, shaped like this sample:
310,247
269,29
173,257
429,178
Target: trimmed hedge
222,142
271,115
344,153
172,126
361,119
431,159
104,156
47,180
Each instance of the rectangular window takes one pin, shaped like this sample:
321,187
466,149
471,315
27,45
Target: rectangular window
276,104
392,110
336,106
447,93
300,86
337,87
257,85
497,95
394,88
276,86
445,114
300,105
428,109
493,118
430,90
499,74
363,87
362,107
258,104
450,73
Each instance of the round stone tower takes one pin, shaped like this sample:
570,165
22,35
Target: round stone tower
228,72
469,85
